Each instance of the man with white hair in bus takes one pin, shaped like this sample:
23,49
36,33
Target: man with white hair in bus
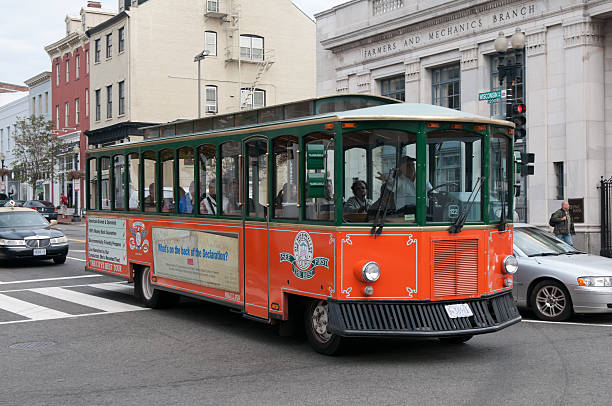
405,184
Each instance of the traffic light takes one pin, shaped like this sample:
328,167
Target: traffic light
519,119
523,161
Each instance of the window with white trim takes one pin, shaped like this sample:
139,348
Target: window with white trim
57,74
98,105
211,99
210,42
252,98
57,119
67,114
109,45
67,70
109,101
122,97
77,71
77,111
212,6
86,102
446,86
252,47
121,39
97,50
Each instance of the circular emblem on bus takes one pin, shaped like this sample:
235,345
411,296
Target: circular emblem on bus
302,250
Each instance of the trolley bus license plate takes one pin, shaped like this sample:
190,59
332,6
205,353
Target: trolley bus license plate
40,251
458,310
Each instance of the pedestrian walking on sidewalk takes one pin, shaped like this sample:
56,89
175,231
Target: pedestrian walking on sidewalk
63,204
562,221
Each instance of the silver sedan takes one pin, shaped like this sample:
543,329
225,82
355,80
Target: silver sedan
555,280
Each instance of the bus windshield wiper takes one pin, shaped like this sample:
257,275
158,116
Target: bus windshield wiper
457,226
379,220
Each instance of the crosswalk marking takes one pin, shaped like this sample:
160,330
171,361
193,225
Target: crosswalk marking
84,299
50,279
29,310
77,259
120,287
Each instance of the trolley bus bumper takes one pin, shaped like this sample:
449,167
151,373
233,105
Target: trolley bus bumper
421,318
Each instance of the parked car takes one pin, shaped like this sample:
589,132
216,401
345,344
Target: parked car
25,233
45,208
555,280
16,203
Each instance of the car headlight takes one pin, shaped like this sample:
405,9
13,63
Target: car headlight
370,272
59,240
12,243
595,281
510,264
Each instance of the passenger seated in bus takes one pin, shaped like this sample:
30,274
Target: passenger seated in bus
231,197
359,202
208,203
149,201
286,201
404,188
187,200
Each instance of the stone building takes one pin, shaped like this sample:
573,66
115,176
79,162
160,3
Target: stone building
442,52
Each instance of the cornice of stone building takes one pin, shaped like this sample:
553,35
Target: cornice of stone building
67,44
38,79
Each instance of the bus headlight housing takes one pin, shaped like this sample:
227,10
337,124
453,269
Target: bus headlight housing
370,271
510,264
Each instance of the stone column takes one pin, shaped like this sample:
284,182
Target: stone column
413,80
469,79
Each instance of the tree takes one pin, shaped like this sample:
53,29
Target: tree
36,148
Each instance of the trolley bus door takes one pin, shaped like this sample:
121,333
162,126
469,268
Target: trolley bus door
255,211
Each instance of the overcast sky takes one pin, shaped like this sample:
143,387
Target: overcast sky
27,26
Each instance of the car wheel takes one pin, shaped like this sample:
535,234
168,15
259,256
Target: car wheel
455,339
551,301
316,318
59,260
151,297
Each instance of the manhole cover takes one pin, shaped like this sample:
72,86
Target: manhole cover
33,345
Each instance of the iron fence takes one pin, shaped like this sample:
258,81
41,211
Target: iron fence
605,188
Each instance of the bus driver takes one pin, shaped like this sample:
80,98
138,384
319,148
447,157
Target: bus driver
405,185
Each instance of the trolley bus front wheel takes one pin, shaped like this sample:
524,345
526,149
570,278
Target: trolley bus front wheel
316,320
151,297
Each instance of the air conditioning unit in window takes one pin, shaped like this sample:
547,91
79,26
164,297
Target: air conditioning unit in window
211,109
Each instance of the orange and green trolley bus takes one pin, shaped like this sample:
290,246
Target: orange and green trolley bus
352,215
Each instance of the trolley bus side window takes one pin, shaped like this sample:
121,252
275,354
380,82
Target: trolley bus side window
286,177
379,176
230,181
118,182
150,193
93,184
186,181
167,179
321,208
208,183
105,182
499,177
454,165
133,186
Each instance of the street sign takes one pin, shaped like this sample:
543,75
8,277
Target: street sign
492,95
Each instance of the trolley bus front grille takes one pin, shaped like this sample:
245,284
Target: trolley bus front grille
428,318
455,267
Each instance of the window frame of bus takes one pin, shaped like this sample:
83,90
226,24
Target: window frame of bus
139,177
159,176
503,131
177,149
414,127
484,134
143,184
88,183
110,175
272,175
114,180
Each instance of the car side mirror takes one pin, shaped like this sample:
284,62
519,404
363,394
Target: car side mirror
53,223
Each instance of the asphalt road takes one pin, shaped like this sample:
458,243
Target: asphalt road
88,342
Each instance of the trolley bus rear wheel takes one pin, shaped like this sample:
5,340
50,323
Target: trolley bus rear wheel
316,320
151,297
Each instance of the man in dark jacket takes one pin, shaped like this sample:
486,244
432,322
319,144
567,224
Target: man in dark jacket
562,221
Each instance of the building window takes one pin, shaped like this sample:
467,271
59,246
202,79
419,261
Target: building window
67,70
40,109
57,118
66,114
86,102
252,99
87,61
122,97
97,50
98,105
34,105
77,68
109,45
77,111
252,47
121,39
212,6
446,87
394,87
560,192
498,108
210,42
109,101
211,99
46,102
57,74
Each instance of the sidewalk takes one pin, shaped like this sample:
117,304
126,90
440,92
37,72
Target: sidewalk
68,220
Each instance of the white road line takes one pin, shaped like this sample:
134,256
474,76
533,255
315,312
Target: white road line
566,323
29,310
71,250
77,259
70,316
120,287
87,300
50,279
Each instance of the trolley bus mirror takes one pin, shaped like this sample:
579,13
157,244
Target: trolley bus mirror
315,156
316,185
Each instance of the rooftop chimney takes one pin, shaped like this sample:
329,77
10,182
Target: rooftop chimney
94,4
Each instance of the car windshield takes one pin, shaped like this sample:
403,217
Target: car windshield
535,242
22,219
39,203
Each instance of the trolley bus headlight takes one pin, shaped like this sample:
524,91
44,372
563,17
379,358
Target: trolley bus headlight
370,272
510,264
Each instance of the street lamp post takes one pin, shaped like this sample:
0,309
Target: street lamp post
2,158
76,217
198,58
